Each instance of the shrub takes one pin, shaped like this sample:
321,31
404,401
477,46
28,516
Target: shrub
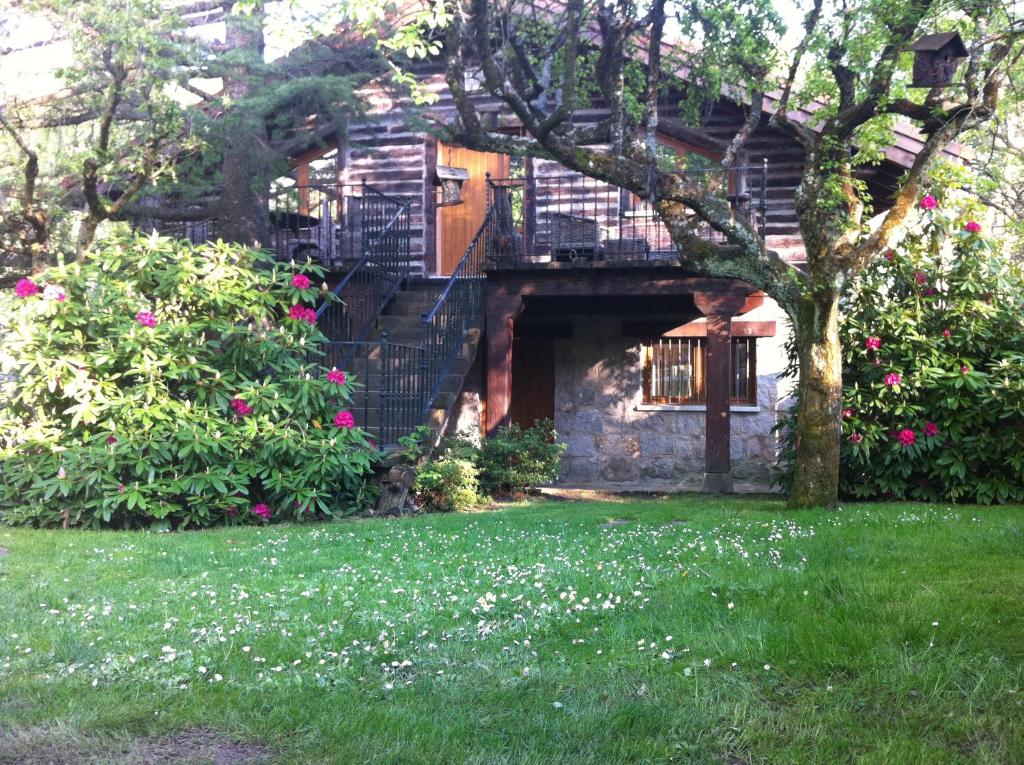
157,382
517,459
448,484
933,369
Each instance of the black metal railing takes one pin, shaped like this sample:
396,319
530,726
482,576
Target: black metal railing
456,308
388,399
360,296
571,217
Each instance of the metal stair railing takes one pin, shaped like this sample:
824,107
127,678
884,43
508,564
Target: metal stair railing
362,294
460,302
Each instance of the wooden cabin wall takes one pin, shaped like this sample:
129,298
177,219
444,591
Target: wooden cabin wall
399,160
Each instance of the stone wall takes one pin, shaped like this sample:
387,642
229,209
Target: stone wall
614,441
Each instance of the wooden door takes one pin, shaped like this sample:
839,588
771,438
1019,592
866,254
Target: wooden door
533,380
458,224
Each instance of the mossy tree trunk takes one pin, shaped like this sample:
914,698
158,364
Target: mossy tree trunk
816,479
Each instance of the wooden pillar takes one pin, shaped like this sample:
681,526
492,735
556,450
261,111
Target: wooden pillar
719,310
502,311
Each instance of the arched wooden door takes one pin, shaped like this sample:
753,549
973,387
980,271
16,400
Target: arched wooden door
458,224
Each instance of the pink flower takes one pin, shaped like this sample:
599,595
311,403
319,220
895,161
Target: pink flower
26,288
121,488
873,343
973,226
300,282
930,429
111,440
336,376
921,277
302,313
946,332
241,408
262,510
964,369
890,255
848,412
856,438
53,292
928,202
146,319
906,437
344,419
893,379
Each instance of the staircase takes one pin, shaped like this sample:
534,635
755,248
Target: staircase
394,367
411,343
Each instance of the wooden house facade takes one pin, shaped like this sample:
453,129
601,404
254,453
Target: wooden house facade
573,306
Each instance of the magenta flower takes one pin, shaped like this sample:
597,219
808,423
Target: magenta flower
300,281
121,488
26,288
906,437
111,440
146,319
947,332
302,313
964,369
848,412
920,276
344,419
972,226
241,408
928,202
930,429
262,510
890,255
892,379
856,438
873,343
53,292
336,376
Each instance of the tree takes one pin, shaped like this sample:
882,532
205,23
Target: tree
123,109
851,67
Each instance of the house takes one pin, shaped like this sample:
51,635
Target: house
480,289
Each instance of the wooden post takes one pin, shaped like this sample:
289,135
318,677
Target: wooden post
719,310
502,311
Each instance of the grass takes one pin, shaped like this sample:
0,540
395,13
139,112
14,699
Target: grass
702,631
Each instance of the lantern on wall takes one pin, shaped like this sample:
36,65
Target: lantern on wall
936,58
450,179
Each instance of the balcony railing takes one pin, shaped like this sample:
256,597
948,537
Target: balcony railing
572,218
330,223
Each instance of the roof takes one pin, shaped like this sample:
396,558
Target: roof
939,41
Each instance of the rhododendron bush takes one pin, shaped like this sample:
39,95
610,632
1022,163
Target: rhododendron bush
933,372
157,382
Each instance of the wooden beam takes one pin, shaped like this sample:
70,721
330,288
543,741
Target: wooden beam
501,314
719,309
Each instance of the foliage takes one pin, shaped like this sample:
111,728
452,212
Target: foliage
160,383
448,484
516,459
933,368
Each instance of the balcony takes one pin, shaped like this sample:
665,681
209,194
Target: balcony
565,221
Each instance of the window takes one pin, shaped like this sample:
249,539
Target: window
674,371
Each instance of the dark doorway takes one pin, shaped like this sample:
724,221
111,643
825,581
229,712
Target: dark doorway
533,380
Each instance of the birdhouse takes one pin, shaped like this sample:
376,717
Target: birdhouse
936,58
450,179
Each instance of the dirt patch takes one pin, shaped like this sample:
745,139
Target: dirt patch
196,746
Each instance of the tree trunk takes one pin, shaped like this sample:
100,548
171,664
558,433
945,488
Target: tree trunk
243,206
86,233
819,425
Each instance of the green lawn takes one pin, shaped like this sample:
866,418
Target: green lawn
701,631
